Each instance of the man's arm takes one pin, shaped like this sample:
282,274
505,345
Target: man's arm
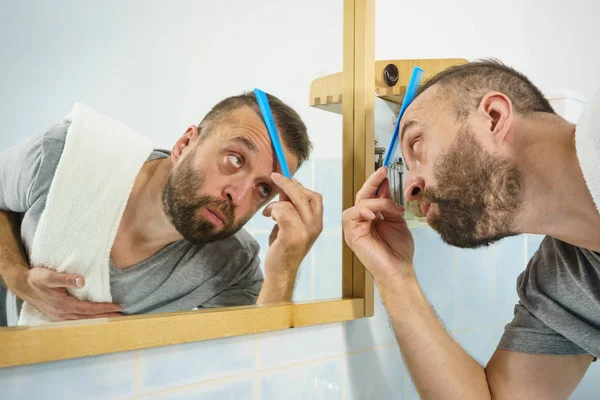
440,368
43,288
21,182
377,232
13,263
299,217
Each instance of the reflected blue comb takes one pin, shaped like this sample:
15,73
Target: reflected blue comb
265,109
411,92
409,96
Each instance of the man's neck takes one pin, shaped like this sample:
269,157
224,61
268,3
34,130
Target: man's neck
144,221
557,201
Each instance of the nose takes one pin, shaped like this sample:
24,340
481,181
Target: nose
414,187
237,192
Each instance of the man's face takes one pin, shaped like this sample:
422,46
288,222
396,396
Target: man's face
468,192
220,181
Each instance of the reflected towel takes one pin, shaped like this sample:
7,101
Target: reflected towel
91,186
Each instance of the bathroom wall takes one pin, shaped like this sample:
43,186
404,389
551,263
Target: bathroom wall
472,291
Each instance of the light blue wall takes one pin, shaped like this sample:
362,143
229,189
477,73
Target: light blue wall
354,360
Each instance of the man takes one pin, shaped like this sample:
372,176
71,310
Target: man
488,158
179,242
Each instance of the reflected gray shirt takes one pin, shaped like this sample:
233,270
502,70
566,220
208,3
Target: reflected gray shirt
181,276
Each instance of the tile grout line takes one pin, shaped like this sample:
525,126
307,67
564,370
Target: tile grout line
379,346
138,367
209,382
256,375
301,364
343,379
344,360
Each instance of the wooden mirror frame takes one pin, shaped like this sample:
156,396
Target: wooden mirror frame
65,340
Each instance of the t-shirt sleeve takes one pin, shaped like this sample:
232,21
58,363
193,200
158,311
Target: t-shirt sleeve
556,313
245,290
19,167
527,334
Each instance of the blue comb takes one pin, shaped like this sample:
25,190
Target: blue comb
411,92
265,109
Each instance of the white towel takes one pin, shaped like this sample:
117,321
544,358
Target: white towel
93,180
587,144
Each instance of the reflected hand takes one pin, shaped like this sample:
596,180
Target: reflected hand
299,218
376,231
47,291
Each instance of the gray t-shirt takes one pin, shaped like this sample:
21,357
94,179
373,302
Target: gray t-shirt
181,276
559,307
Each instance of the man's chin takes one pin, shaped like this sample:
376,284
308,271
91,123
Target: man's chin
471,242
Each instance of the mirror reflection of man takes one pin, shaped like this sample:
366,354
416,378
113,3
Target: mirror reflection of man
180,242
489,158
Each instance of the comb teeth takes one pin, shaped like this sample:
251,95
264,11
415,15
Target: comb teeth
411,90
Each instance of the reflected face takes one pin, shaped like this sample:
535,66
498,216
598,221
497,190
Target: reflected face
468,194
222,179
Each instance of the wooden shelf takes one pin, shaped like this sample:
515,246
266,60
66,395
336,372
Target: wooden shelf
326,91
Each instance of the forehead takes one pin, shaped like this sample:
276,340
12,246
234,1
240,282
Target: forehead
247,123
424,109
243,120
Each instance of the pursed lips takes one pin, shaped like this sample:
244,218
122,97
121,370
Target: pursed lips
217,214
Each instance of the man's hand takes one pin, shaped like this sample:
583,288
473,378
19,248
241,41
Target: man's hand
47,291
299,217
41,287
376,231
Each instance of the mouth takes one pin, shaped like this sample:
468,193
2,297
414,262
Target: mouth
215,216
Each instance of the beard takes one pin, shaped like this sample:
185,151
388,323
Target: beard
182,201
478,194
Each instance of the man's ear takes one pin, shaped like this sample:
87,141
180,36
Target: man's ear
188,138
497,109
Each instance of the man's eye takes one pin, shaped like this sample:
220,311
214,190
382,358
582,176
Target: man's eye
264,190
413,145
235,161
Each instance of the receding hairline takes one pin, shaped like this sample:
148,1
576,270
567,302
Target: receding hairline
466,84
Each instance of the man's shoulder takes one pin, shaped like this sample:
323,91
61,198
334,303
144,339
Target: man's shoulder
53,140
58,132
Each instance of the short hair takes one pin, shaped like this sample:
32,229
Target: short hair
466,84
290,126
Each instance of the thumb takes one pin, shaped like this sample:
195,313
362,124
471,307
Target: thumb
57,279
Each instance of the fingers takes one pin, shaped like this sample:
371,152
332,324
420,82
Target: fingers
371,184
75,306
370,210
43,277
107,315
75,317
284,213
384,189
387,207
359,213
308,203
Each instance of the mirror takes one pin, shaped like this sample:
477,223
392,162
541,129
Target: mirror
157,70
